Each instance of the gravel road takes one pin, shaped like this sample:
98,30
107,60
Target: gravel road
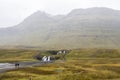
10,66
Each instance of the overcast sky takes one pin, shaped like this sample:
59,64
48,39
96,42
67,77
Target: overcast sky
13,12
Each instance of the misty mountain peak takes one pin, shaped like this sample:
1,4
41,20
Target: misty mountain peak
36,18
88,28
93,11
39,14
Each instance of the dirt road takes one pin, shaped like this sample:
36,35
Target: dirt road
10,66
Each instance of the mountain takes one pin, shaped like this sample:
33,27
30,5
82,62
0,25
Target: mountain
96,27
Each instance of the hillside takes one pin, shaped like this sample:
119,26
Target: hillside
81,28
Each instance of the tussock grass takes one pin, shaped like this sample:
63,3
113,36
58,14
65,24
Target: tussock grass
17,55
81,64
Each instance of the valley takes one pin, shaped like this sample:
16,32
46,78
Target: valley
80,64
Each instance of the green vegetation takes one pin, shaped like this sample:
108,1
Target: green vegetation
14,55
94,53
17,55
80,64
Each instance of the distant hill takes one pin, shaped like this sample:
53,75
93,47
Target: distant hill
81,28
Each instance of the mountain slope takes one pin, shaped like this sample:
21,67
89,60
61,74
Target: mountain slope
81,28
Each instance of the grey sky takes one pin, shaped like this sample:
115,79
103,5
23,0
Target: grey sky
13,12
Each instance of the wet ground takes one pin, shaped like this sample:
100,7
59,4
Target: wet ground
9,66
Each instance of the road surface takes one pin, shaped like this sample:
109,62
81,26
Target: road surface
10,66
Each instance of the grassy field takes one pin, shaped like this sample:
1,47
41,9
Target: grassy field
17,55
80,64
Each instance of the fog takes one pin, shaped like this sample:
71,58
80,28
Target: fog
12,12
